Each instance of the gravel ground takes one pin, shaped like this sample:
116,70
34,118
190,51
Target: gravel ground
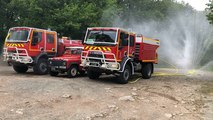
163,97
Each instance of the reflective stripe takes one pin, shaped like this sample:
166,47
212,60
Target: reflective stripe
152,42
14,45
148,60
109,49
104,48
99,48
87,47
90,48
94,48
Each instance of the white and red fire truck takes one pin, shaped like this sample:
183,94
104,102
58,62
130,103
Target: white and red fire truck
119,52
27,47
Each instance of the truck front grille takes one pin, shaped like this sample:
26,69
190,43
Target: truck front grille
57,63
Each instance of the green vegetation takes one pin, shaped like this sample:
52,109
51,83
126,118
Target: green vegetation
210,11
72,17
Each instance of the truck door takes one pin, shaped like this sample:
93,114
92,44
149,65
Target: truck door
123,45
51,42
37,40
132,45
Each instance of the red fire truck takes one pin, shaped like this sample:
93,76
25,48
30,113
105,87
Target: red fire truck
119,52
27,47
69,62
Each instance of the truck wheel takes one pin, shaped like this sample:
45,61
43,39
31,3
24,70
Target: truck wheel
20,68
125,75
146,71
52,73
72,72
41,67
93,74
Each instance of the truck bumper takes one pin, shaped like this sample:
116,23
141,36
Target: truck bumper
113,66
20,55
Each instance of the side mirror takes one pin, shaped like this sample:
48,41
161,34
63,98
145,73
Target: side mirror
34,41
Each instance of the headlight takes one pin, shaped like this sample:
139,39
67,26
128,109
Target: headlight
113,65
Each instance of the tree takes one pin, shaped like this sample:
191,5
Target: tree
210,11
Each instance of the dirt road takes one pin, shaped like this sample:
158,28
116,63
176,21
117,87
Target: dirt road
163,97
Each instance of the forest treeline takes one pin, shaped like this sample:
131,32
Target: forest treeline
72,17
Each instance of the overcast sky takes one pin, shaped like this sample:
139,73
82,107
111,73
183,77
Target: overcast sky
197,4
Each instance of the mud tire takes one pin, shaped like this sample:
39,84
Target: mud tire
20,68
41,68
123,78
72,72
146,71
92,74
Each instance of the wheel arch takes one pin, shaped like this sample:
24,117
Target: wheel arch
127,61
74,64
41,55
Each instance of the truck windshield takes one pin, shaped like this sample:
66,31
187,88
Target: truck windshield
18,35
100,37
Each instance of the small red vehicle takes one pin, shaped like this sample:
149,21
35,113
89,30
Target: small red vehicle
69,62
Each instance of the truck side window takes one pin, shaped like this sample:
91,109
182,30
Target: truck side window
50,38
132,40
37,37
124,39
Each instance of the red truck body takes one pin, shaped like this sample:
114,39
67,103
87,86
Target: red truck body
119,52
27,47
146,49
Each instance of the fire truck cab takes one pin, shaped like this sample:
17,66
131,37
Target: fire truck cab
119,52
27,47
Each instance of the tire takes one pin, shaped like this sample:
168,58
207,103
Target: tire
20,68
123,78
146,71
52,73
72,72
41,68
92,74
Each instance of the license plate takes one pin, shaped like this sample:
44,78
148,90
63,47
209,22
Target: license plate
96,52
94,64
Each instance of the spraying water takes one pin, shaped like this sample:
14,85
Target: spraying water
185,38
